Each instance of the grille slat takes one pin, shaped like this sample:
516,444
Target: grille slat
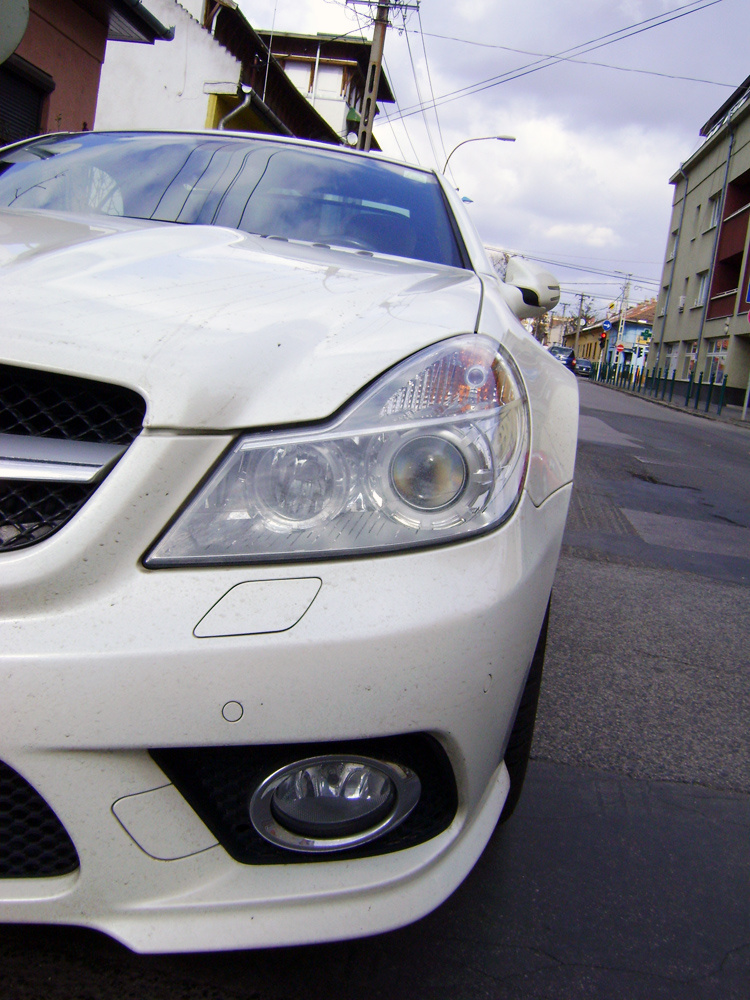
33,841
44,404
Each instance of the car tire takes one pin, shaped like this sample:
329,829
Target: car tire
519,745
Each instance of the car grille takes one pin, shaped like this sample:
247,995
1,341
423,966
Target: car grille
42,407
33,841
218,782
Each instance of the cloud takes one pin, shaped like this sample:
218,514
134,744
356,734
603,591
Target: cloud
583,234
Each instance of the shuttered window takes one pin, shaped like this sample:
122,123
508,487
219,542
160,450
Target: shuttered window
22,90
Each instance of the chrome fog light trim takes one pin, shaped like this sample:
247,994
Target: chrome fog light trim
331,803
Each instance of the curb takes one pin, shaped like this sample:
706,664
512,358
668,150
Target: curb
730,418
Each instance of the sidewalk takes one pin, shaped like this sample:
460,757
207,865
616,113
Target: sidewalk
728,415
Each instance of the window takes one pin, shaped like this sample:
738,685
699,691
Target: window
300,73
714,205
700,298
330,81
672,247
716,356
23,89
263,187
697,221
669,359
688,366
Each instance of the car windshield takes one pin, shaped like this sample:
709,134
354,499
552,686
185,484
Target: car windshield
268,188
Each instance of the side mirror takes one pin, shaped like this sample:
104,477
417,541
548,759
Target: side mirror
529,290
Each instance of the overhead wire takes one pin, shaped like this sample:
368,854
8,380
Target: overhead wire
432,89
583,62
543,63
403,125
422,103
553,262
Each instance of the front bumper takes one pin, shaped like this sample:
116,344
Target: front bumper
102,660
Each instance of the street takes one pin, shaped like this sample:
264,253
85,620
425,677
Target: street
625,871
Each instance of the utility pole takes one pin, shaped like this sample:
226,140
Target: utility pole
372,82
578,322
623,314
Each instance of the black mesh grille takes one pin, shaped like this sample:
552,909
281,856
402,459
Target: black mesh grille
30,511
219,781
33,841
42,404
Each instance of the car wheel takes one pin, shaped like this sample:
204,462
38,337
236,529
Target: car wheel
519,745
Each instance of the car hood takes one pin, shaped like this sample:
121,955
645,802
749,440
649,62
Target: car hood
216,329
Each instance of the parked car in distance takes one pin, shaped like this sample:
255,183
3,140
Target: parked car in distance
564,354
284,483
583,367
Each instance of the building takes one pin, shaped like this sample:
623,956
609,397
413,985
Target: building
217,72
330,72
701,329
51,82
599,340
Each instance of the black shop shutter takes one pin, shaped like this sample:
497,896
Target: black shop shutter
22,89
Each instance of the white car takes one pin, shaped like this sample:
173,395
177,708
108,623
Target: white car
284,482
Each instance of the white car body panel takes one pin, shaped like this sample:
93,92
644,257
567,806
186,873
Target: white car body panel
204,346
102,659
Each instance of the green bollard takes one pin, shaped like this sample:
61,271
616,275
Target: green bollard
710,389
689,388
721,396
698,391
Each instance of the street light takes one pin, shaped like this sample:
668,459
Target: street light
479,138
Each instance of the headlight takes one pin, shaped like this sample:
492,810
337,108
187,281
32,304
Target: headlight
434,451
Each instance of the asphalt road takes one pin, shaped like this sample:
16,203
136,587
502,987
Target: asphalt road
625,872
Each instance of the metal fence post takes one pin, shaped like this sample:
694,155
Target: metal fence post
710,389
689,388
721,395
698,391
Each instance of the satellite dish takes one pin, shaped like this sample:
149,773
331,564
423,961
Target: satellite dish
14,16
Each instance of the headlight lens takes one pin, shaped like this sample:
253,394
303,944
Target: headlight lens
435,450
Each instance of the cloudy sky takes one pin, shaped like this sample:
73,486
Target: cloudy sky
598,133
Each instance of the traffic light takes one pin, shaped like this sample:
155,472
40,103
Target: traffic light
602,336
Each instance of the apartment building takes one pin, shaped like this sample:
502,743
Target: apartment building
701,326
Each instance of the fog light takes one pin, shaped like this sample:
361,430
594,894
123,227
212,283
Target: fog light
332,803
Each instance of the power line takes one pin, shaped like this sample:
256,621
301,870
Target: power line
422,104
429,80
403,125
600,42
584,62
601,272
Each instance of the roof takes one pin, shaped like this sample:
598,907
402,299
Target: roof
128,21
350,48
277,93
739,96
642,313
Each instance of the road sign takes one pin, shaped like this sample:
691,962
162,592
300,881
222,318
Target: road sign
606,325
620,347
